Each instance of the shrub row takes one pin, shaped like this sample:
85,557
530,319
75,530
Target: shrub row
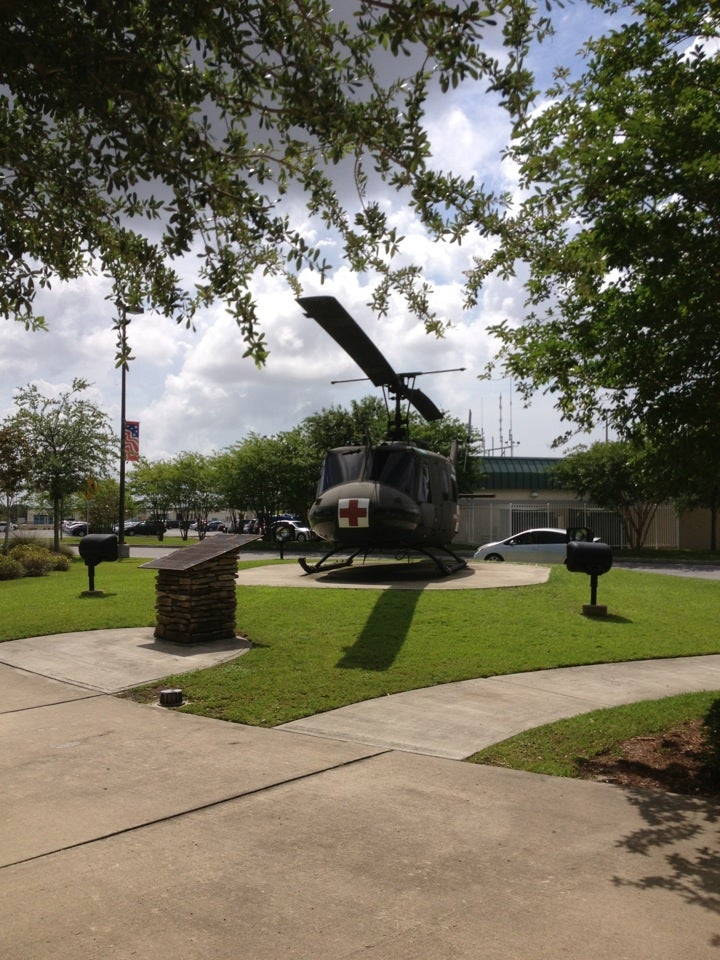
31,560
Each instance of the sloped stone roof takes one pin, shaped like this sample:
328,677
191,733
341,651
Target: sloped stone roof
198,553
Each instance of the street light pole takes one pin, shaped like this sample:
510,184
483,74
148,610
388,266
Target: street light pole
123,321
123,551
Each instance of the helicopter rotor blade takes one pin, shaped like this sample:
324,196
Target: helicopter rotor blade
337,322
422,403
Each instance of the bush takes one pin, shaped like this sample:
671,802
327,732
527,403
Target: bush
60,561
36,560
10,569
26,540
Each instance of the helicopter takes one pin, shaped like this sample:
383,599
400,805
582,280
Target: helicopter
392,495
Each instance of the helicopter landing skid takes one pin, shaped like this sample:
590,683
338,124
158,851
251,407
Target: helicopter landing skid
323,565
444,566
439,558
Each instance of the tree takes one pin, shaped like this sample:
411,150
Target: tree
135,133
186,484
102,502
71,439
196,477
338,426
269,475
621,477
620,228
98,501
691,463
154,485
15,466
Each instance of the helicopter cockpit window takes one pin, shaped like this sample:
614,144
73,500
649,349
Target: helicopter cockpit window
342,466
394,467
424,484
446,484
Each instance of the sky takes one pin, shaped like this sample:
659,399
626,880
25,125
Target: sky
194,391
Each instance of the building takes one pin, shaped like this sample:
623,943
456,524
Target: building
520,492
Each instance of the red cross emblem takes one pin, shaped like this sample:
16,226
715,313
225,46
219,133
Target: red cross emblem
354,512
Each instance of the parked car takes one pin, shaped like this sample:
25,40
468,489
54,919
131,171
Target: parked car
211,525
128,523
144,528
216,525
78,529
291,530
4,525
540,545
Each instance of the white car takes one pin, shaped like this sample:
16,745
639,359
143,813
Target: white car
4,525
541,545
285,530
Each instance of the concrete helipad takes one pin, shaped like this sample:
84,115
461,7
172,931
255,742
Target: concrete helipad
397,576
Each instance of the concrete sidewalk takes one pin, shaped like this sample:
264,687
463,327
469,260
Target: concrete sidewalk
131,831
109,661
455,720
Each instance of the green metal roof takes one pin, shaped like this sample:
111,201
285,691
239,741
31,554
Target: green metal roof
509,473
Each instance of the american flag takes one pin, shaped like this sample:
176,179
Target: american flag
132,439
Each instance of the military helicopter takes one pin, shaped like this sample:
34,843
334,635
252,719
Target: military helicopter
393,495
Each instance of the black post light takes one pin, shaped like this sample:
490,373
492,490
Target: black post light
594,559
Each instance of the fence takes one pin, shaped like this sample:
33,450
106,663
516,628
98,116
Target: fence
484,520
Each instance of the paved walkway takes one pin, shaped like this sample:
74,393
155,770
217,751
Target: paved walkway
132,831
453,720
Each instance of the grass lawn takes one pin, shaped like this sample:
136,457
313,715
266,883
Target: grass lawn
318,649
559,748
314,650
36,606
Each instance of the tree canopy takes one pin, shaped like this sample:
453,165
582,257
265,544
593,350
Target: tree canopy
16,458
620,228
189,484
617,476
337,426
138,134
268,475
71,439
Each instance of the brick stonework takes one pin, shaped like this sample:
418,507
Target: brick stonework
195,591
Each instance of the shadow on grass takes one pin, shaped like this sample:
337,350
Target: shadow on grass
610,618
384,633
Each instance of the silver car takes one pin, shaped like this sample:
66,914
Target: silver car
541,545
285,530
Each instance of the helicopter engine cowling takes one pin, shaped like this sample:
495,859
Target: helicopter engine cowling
365,514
